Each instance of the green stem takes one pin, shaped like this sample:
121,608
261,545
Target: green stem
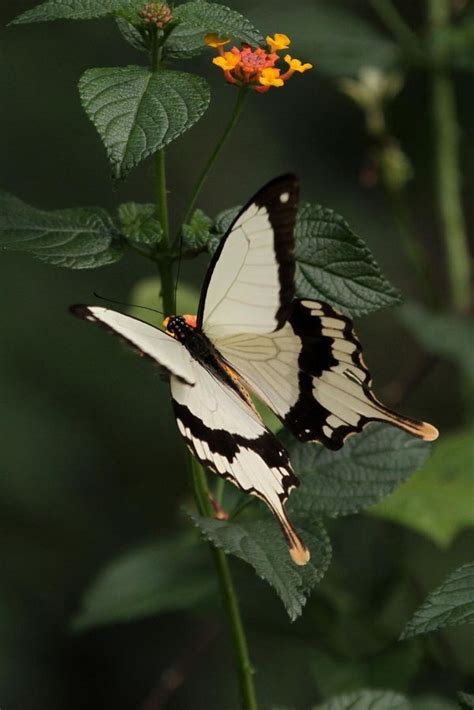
235,115
247,689
394,22
448,173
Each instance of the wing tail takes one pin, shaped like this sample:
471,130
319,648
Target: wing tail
298,551
423,430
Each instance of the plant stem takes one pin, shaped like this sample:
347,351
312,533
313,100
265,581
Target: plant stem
394,22
448,172
235,115
247,689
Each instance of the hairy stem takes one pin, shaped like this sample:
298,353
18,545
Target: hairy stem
235,115
247,689
448,172
201,490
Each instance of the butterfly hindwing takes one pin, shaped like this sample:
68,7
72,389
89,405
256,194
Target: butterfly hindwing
228,437
249,284
311,373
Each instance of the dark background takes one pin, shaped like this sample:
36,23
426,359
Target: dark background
91,464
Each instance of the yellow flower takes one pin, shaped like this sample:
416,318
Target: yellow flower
296,65
227,62
213,40
270,77
278,41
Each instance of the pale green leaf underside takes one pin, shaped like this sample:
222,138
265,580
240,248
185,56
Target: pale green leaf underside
149,580
138,112
335,266
76,10
80,238
368,467
366,700
260,543
437,500
451,604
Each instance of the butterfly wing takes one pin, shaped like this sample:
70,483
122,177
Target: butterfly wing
219,426
311,373
149,341
228,437
249,285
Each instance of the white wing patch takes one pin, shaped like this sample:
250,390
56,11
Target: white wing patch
268,364
312,375
243,291
250,282
162,348
226,435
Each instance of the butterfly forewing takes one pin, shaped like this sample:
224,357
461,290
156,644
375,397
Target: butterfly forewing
249,285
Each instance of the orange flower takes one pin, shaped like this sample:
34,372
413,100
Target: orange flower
213,40
255,67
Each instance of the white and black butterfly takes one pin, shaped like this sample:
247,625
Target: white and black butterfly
300,357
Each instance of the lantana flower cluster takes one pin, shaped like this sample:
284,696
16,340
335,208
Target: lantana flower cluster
255,67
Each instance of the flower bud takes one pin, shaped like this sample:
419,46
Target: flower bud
156,13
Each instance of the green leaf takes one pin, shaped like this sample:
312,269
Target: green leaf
437,500
369,467
259,542
366,700
332,263
460,45
335,265
132,35
447,335
465,700
140,225
431,702
138,112
221,225
451,604
76,10
336,41
196,234
196,19
79,238
164,576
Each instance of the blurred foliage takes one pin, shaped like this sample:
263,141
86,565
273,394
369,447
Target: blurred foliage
91,482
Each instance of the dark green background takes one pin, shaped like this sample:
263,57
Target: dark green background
90,460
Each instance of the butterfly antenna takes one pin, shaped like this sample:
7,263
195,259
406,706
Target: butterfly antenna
129,305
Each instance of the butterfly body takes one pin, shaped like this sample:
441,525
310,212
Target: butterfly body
299,356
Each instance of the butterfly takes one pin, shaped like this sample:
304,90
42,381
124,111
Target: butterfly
301,357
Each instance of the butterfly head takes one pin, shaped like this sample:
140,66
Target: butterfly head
179,326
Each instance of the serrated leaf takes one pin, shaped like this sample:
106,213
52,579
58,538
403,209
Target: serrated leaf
366,700
76,10
221,225
79,238
132,35
465,700
437,500
448,335
138,112
335,265
164,576
259,542
369,467
196,234
451,604
332,263
196,19
140,224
